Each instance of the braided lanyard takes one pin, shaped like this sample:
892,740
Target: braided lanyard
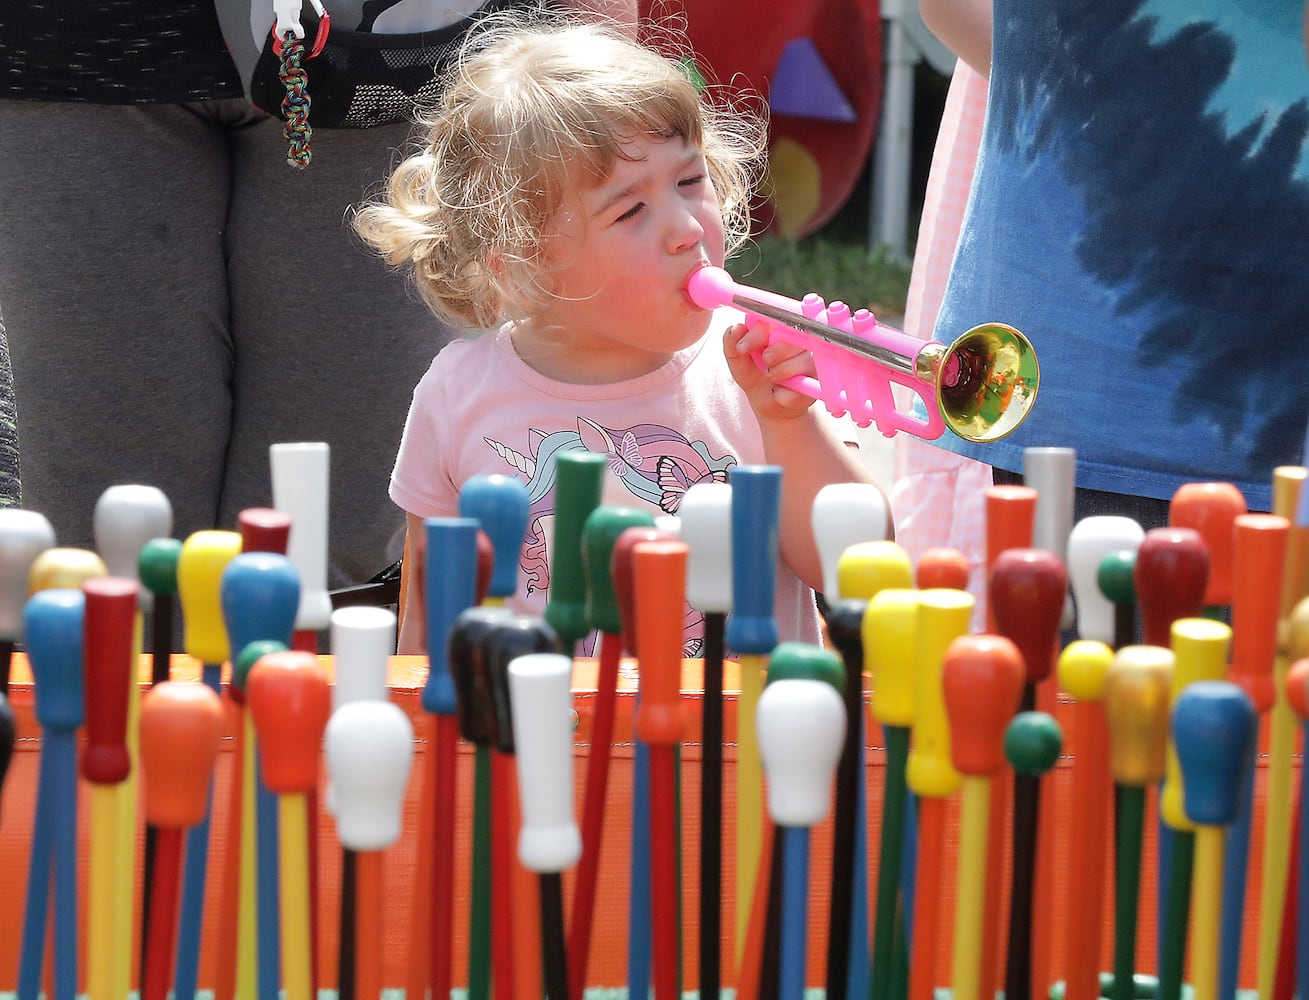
289,46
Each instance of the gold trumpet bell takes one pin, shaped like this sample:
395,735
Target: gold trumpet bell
986,382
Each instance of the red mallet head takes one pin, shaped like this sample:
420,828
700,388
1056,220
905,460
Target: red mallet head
1257,566
108,676
1172,572
1027,593
290,702
941,567
982,681
181,730
1211,510
659,572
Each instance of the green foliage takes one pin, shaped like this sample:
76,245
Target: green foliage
862,277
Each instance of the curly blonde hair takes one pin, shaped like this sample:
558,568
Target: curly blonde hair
525,113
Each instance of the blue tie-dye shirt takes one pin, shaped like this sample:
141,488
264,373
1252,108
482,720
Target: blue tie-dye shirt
1141,211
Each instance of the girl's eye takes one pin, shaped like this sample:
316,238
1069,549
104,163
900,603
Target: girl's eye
691,181
631,212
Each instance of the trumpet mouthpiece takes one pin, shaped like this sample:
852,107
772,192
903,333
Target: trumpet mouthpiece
711,287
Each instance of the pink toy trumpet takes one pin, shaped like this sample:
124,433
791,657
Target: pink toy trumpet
981,387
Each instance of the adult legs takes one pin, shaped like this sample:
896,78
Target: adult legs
177,299
114,297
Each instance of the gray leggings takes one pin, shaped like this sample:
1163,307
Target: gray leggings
177,299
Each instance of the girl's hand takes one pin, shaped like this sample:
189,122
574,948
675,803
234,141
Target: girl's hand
768,399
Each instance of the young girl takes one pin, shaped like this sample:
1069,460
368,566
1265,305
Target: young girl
570,183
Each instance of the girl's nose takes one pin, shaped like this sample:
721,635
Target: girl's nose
684,232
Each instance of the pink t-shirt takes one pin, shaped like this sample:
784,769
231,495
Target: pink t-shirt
480,410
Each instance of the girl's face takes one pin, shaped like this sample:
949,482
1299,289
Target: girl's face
620,253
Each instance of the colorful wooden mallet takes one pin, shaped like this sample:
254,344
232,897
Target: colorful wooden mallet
801,729
64,568
1259,559
1107,623
1211,510
126,518
706,527
514,889
1033,741
108,764
1171,576
752,633
501,504
203,557
1214,725
641,920
156,568
844,515
362,641
578,485
299,473
181,729
549,841
982,679
1082,667
578,478
477,726
449,575
1027,591
52,630
943,616
1010,523
659,577
369,748
259,594
1200,648
1277,895
599,533
865,570
890,630
1136,705
291,701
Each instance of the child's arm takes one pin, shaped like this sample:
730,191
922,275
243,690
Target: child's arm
964,26
412,640
795,438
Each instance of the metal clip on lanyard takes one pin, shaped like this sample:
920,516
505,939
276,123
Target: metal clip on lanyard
289,46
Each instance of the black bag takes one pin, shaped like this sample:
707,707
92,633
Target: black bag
358,79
